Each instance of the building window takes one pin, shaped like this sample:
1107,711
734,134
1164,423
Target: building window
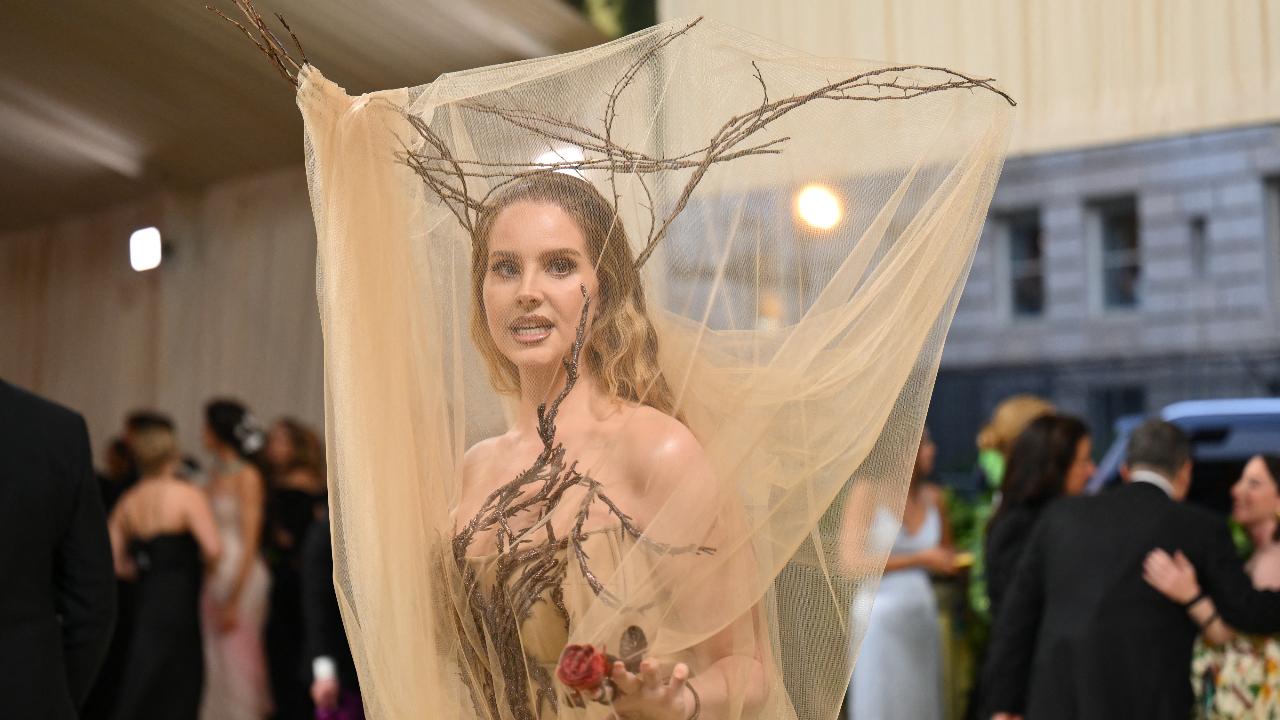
1199,234
1024,249
1119,261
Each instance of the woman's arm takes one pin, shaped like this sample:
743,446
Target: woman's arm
250,495
939,559
730,671
199,519
939,498
118,530
1175,578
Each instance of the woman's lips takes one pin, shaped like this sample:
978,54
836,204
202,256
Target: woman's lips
531,330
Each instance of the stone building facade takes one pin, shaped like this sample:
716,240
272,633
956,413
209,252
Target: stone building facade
1116,280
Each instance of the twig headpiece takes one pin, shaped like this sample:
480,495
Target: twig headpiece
458,181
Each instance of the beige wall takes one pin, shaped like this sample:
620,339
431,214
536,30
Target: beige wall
231,311
1084,72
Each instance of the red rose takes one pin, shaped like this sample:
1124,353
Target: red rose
582,668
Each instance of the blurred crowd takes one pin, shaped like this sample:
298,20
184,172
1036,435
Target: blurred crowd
1104,576
226,607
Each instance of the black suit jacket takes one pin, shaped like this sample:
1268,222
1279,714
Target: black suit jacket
322,620
57,603
1006,540
1082,635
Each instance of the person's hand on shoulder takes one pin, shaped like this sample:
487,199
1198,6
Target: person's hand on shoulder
1173,575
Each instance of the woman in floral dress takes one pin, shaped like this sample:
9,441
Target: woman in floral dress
1234,675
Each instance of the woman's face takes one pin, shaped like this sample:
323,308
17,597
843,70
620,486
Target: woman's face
1255,497
1081,469
536,268
280,448
926,456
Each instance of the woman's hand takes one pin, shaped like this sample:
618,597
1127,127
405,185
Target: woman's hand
228,617
646,696
1174,577
939,560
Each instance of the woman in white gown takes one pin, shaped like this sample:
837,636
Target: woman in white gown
899,667
235,599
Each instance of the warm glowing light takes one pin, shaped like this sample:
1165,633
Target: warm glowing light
818,206
569,153
144,249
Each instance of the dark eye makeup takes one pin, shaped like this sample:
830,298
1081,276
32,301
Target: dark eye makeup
505,268
561,266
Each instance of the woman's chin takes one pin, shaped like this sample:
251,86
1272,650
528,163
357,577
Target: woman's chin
535,358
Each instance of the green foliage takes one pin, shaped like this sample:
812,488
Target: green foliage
1240,536
616,18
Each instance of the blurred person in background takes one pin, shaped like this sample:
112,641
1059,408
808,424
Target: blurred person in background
235,599
335,689
1234,675
295,495
121,475
995,440
58,602
1080,634
163,536
1052,458
899,668
118,472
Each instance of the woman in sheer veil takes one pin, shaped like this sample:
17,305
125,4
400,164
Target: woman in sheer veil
559,435
559,316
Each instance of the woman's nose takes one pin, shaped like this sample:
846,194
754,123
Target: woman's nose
528,296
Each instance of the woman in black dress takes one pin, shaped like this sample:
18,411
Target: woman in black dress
163,536
1052,458
295,495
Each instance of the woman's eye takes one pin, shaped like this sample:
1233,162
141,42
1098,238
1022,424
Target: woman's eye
561,266
505,268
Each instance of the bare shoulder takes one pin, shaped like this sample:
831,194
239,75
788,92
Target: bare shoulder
663,436
188,493
249,475
933,494
477,463
1266,568
662,449
479,455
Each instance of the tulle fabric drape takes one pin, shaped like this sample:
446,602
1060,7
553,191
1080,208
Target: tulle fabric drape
802,359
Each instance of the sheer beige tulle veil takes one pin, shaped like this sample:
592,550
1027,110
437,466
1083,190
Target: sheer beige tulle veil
803,228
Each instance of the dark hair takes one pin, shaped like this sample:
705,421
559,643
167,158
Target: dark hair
140,420
231,423
1159,445
308,448
1273,467
1039,462
1272,463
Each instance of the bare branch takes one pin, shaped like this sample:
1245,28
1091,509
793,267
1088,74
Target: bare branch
266,40
601,151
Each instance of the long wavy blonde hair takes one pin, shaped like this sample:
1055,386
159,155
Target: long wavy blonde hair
621,350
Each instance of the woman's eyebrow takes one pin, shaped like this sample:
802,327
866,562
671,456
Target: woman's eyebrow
504,254
561,252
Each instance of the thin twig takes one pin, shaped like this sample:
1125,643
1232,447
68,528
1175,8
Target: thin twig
266,40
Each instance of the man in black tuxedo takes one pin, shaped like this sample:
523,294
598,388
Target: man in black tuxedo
1082,635
57,604
333,673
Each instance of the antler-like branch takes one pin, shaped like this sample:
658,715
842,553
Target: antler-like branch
446,174
266,40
